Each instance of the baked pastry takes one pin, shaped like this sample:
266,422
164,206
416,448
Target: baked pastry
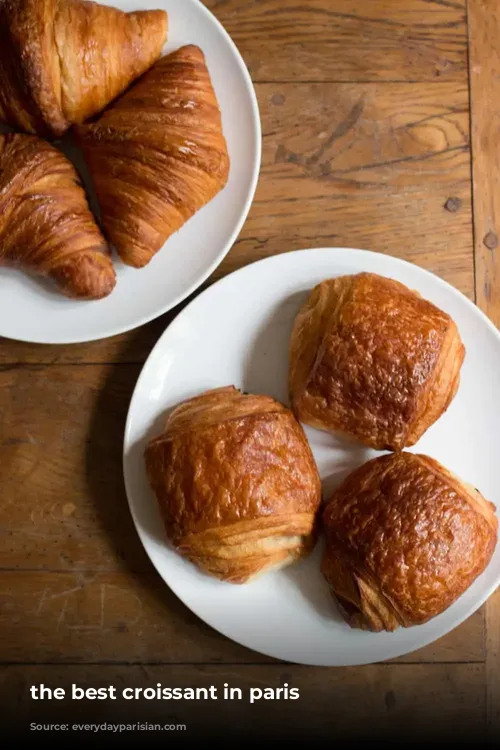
404,539
157,155
236,483
64,60
372,360
46,226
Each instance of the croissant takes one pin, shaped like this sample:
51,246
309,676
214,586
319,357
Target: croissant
157,155
236,484
372,360
404,539
61,61
46,226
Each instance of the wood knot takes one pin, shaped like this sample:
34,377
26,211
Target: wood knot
491,241
453,204
278,99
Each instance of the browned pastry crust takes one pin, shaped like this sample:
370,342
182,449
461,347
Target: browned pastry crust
157,155
236,483
372,360
64,60
404,539
46,226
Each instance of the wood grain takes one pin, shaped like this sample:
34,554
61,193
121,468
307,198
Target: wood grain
125,617
492,612
366,143
63,504
484,35
375,166
74,572
359,40
368,166
386,704
104,617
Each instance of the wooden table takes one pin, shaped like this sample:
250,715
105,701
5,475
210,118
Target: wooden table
380,125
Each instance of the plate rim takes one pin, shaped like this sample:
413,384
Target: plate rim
110,332
212,289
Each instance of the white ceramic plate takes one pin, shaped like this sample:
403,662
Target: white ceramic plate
237,333
31,310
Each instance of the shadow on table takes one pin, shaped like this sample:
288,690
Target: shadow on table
104,468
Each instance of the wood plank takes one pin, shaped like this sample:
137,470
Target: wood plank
438,702
68,536
125,617
379,167
335,40
492,611
370,166
131,347
63,503
364,165
484,19
105,617
484,54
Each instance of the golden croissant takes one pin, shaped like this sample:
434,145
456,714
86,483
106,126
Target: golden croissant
236,484
404,539
62,61
46,226
372,360
157,155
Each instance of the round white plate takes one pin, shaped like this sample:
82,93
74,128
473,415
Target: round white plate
237,333
31,310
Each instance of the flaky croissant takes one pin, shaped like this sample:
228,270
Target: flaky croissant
46,226
404,539
62,61
372,360
157,155
236,483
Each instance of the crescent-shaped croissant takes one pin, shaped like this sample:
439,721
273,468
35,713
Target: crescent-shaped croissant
46,226
62,61
157,155
236,483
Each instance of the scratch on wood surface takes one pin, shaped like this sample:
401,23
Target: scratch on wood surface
44,598
100,626
103,600
66,593
137,600
62,614
29,440
62,594
104,595
41,601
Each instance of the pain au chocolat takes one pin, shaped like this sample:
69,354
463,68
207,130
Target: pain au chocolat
373,360
236,483
404,539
